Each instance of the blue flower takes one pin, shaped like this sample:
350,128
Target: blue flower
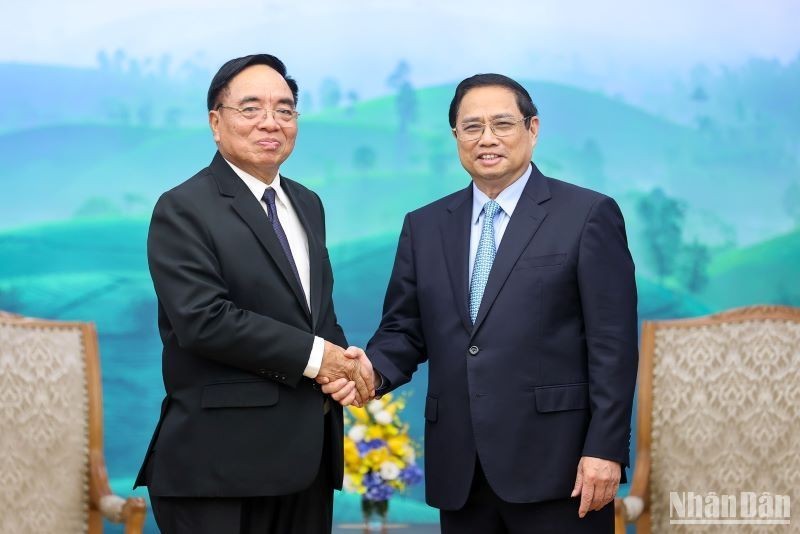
379,492
366,446
411,474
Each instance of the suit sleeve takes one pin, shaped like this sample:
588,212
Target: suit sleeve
398,347
608,298
192,292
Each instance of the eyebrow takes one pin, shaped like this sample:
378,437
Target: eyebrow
251,99
493,117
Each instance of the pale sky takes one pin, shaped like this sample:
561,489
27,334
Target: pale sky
444,40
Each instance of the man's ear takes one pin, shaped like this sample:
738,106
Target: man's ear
534,129
213,122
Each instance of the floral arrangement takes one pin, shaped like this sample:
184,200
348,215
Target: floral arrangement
379,456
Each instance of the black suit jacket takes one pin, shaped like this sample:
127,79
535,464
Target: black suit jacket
239,419
547,373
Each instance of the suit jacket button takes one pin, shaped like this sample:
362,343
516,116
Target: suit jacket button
283,377
262,371
473,350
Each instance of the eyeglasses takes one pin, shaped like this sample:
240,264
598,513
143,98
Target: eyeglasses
252,113
470,131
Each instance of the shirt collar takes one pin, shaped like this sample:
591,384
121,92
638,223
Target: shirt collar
258,187
507,198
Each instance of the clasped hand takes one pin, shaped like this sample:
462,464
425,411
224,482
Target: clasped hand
346,375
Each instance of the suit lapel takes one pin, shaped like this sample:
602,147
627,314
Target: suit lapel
528,216
455,243
251,212
315,247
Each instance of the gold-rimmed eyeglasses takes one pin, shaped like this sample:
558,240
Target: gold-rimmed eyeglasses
251,113
470,131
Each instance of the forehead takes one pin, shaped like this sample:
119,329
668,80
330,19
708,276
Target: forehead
259,80
488,101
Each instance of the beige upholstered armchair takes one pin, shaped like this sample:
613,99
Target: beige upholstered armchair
52,471
718,411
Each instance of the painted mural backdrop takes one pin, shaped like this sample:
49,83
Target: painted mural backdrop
689,116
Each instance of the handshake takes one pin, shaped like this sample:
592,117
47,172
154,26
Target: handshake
347,375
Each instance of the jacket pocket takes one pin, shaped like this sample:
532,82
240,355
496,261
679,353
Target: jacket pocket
240,394
563,397
431,409
548,260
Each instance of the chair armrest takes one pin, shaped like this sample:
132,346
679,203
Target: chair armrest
117,510
630,508
131,511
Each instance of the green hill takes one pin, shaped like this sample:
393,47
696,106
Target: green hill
351,157
766,273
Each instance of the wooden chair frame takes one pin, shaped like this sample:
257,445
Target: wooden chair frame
102,502
636,507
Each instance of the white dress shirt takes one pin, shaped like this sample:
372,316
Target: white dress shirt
298,244
507,199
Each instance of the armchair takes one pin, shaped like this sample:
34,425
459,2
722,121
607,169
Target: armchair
52,470
718,411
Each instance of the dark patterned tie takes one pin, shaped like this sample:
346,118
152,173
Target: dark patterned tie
269,198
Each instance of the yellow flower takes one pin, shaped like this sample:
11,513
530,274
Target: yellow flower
380,421
351,456
359,414
391,432
376,457
374,432
398,444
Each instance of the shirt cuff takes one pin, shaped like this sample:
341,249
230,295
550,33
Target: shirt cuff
315,358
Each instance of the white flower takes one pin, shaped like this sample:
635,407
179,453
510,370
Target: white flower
389,471
383,418
357,432
348,485
375,406
410,456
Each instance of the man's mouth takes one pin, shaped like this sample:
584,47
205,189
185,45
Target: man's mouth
269,143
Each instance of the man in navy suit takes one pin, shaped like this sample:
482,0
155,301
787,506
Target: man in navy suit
519,291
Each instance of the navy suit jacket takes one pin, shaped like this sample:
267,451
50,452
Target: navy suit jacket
547,373
239,419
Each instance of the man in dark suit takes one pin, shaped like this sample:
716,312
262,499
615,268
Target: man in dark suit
519,292
246,441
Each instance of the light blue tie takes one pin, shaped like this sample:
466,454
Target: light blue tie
483,259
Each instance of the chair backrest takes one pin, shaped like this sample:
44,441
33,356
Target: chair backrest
724,416
49,393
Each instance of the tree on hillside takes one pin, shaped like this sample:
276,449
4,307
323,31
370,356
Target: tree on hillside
405,105
364,158
330,93
352,100
118,60
10,300
97,207
693,268
406,102
590,165
662,226
791,202
305,102
103,61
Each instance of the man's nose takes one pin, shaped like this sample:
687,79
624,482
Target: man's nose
268,121
488,136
